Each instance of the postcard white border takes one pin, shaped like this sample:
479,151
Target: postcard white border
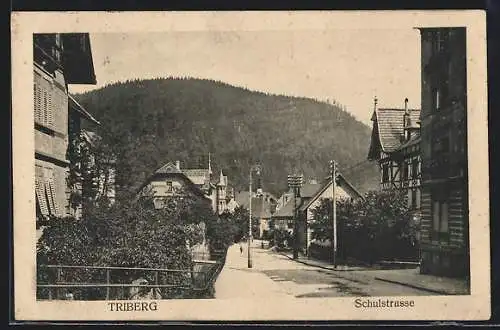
473,307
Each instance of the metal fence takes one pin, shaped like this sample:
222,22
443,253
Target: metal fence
77,282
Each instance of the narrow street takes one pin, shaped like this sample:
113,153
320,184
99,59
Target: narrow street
274,275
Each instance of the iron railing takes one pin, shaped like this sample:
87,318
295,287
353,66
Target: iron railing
86,282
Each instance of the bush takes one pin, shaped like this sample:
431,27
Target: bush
378,227
282,238
131,234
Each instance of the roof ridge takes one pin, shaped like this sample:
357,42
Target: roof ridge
398,109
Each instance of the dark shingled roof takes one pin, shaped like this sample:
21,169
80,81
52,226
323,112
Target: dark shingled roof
198,176
287,209
342,182
307,191
388,129
170,169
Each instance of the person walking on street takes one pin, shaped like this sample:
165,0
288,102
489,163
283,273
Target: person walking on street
241,249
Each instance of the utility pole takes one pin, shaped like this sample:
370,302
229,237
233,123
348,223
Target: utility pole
295,182
333,169
257,169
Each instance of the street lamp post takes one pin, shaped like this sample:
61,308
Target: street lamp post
255,168
295,182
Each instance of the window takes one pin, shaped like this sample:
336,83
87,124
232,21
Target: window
404,170
169,186
385,173
436,42
414,200
290,224
439,214
439,41
417,198
159,203
414,168
436,99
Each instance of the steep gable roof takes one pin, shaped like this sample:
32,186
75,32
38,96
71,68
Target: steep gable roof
388,130
168,168
341,181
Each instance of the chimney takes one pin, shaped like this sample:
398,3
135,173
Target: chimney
178,164
406,121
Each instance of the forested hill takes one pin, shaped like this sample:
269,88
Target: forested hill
151,122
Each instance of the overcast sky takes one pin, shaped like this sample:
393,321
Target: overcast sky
351,66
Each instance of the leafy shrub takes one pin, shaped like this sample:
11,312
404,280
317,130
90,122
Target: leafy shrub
128,235
378,227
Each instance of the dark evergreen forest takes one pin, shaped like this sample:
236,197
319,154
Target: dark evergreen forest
147,123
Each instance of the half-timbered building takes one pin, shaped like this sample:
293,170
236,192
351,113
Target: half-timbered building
395,145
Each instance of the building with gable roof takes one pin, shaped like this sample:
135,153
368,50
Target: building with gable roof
395,145
217,192
284,216
168,182
343,190
263,207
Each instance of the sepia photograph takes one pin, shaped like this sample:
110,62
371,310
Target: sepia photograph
249,163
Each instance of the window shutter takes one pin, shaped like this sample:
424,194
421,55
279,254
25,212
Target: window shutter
49,189
50,198
40,193
50,110
53,194
36,108
44,106
38,104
